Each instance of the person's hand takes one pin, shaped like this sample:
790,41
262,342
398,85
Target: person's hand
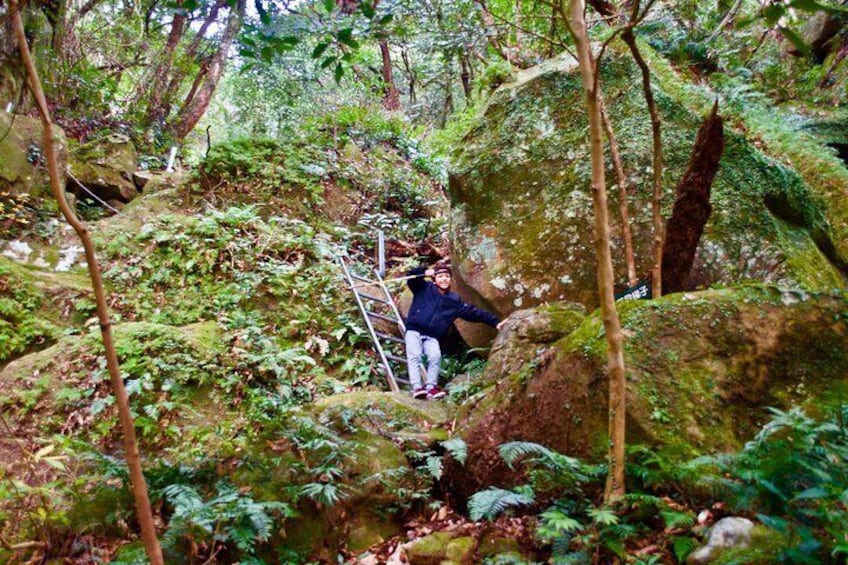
501,324
429,273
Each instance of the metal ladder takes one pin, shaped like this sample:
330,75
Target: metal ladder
377,306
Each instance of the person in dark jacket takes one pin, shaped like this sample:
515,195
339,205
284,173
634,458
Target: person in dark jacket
434,308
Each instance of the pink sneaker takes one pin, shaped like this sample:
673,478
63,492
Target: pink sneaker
419,392
435,392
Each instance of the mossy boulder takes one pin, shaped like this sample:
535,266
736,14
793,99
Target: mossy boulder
65,387
522,216
36,305
104,167
701,369
22,168
376,429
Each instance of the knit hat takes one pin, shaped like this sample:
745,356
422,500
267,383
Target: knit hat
443,268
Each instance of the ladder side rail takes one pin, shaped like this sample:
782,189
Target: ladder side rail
391,303
390,376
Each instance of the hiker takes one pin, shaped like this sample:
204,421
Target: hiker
434,308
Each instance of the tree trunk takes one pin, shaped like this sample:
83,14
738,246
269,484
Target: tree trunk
191,53
615,355
391,98
692,207
195,105
139,486
624,212
608,10
155,113
657,154
410,74
465,77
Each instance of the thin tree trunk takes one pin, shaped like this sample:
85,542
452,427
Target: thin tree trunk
195,106
553,31
607,9
190,53
391,98
492,36
156,86
465,77
657,153
139,487
615,355
624,212
410,73
519,40
731,13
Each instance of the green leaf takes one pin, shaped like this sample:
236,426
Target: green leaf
386,19
319,50
434,467
367,9
603,516
492,501
812,493
773,12
558,521
327,62
329,5
682,546
267,53
457,448
339,73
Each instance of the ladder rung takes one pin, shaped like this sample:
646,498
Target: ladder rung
382,316
389,337
363,279
395,358
374,298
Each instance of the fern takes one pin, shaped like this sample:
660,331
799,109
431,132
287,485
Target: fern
682,546
554,522
327,494
457,448
603,516
487,504
434,467
231,517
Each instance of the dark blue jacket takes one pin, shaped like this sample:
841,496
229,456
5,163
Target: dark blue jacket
432,312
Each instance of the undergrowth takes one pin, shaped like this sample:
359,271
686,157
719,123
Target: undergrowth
791,478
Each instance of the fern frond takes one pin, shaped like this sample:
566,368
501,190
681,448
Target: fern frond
515,450
488,503
457,448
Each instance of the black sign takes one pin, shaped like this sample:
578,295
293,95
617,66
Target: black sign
638,292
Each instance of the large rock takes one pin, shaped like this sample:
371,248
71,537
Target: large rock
22,168
104,167
727,533
522,217
701,368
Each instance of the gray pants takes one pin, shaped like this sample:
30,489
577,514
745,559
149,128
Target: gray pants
416,345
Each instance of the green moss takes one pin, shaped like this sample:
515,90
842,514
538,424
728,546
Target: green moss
22,323
429,549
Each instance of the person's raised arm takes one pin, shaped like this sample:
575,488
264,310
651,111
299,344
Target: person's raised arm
417,284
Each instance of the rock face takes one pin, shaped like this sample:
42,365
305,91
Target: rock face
701,368
105,167
21,155
521,226
727,533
